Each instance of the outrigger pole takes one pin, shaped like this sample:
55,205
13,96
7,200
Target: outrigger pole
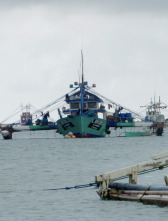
110,101
52,103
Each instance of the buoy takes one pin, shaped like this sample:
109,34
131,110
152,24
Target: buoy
70,134
67,136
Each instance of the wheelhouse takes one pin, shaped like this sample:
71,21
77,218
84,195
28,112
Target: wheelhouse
91,103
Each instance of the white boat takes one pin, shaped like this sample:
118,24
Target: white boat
153,113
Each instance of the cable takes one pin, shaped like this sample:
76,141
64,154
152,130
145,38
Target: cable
97,184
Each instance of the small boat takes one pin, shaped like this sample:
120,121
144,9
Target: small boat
152,124
138,134
153,111
25,123
43,124
43,127
7,131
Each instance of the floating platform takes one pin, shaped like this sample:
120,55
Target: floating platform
109,189
132,192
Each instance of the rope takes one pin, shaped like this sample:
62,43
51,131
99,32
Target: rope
12,115
77,186
149,171
97,184
122,191
113,102
140,199
53,102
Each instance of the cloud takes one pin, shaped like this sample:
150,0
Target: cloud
124,42
106,5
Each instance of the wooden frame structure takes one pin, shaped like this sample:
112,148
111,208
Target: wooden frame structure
159,161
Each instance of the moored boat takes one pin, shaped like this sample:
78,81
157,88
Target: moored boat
43,127
138,134
82,115
153,111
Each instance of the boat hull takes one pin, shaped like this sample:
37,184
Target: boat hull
82,126
42,127
138,134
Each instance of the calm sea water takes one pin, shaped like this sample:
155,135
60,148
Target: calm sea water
35,161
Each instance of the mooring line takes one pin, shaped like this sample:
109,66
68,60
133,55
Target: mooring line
77,186
97,184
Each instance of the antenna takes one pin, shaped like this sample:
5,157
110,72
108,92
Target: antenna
79,75
154,98
82,67
159,103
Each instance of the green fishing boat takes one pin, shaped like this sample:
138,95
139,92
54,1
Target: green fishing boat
82,126
82,113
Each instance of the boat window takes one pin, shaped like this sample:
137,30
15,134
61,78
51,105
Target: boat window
91,104
74,105
72,97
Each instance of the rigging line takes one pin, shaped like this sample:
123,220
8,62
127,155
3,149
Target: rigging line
164,104
47,106
97,185
141,173
142,111
60,103
18,121
53,102
10,116
141,117
52,109
33,118
33,107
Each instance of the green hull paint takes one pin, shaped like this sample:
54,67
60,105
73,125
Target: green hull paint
137,134
129,124
82,126
39,127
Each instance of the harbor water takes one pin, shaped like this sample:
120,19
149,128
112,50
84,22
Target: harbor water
32,163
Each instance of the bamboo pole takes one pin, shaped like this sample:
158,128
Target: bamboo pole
145,199
158,161
133,192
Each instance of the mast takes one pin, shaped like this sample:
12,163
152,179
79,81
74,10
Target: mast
154,104
159,103
82,67
82,88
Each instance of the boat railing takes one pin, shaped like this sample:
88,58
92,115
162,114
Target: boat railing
85,99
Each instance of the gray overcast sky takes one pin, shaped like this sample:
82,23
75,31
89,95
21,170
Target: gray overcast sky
125,45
